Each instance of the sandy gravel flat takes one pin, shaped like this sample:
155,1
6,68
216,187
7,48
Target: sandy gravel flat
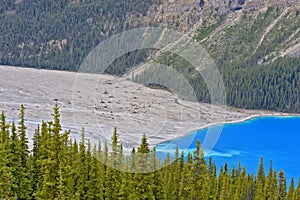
101,102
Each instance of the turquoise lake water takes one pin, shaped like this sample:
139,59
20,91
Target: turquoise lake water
274,138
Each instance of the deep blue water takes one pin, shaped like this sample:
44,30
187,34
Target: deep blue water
274,138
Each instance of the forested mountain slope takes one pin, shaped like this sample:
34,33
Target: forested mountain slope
256,47
59,34
258,55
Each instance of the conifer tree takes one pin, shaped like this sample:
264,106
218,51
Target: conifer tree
24,182
175,176
4,128
296,195
291,190
53,159
133,167
200,173
270,185
260,182
15,161
261,171
185,187
35,167
241,186
157,183
95,181
281,186
125,181
6,177
40,159
143,179
82,169
167,190
275,185
212,180
113,175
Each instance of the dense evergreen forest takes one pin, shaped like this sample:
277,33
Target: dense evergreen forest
59,34
272,86
57,167
255,76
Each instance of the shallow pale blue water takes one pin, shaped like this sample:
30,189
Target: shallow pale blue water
274,138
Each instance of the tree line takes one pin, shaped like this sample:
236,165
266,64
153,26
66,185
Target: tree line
57,167
59,34
254,76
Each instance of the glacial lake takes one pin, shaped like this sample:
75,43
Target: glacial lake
271,137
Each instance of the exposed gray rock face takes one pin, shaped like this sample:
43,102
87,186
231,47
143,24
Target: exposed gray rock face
224,6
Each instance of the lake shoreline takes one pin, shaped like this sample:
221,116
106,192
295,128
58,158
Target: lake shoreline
254,116
273,137
100,102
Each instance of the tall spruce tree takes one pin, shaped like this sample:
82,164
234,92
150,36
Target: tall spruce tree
291,190
82,172
282,186
143,177
112,172
15,161
6,176
35,168
25,189
260,182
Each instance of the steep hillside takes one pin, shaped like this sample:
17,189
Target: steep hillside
256,46
59,34
257,36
